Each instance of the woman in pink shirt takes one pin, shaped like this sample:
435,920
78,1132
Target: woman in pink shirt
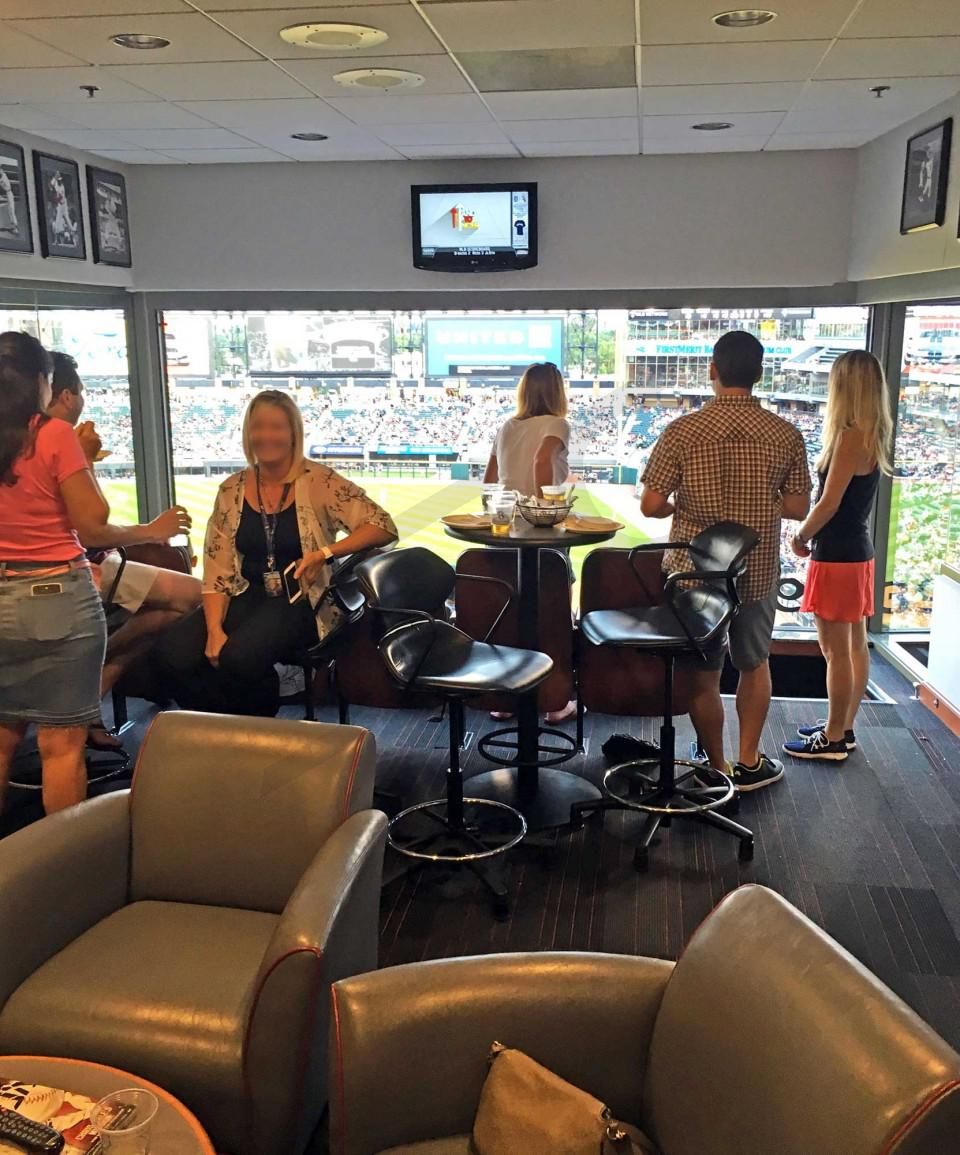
52,631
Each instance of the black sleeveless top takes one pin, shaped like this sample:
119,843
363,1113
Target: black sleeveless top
846,536
252,542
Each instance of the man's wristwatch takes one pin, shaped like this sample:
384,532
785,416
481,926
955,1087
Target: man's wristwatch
327,554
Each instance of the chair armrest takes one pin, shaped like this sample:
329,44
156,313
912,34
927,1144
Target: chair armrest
409,1043
476,577
58,878
659,546
328,930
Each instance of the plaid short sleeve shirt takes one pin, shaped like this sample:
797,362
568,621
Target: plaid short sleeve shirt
730,460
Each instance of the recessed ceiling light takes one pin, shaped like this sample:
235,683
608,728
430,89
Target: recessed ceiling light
744,18
379,78
712,126
308,136
333,36
140,40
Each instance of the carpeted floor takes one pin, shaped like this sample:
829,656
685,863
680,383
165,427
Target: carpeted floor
870,850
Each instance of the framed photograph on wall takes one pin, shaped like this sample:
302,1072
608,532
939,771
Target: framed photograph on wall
59,206
16,235
925,178
109,222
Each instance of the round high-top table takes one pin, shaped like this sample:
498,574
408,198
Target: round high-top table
542,794
175,1129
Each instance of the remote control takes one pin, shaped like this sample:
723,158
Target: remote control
25,1133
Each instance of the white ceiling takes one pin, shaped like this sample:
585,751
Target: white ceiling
502,77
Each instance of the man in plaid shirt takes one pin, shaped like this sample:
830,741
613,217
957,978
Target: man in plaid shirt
733,460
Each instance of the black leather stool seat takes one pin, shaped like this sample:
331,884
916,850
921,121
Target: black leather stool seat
701,616
441,657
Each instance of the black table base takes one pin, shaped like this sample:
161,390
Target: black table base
544,801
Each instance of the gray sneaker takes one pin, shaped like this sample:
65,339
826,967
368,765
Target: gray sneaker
765,773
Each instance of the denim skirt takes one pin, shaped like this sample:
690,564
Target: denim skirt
52,641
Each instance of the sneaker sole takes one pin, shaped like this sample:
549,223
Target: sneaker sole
757,785
817,757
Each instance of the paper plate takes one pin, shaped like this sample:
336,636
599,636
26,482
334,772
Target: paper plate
466,521
577,523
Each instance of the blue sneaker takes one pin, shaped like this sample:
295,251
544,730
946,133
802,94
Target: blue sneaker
849,738
817,748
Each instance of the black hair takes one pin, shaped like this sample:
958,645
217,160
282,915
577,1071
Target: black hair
738,357
23,361
65,375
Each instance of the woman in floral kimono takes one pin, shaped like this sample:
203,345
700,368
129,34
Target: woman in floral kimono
281,510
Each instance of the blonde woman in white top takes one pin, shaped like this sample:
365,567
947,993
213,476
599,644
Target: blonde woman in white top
530,449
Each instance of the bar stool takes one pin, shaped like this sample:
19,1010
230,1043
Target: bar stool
423,652
699,605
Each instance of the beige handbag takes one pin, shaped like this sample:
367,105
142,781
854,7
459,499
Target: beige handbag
526,1108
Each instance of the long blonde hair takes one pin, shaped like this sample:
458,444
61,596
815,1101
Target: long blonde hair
541,392
857,397
285,402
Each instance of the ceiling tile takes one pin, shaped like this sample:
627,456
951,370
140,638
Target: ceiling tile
615,128
690,22
708,99
31,118
63,84
409,35
226,156
895,18
131,114
192,37
251,5
846,105
280,117
744,124
563,105
89,139
579,148
229,81
135,156
414,110
475,133
518,24
905,56
40,9
708,143
783,141
18,50
465,151
731,63
335,150
440,75
551,70
167,139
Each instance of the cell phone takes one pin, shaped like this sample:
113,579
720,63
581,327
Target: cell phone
291,584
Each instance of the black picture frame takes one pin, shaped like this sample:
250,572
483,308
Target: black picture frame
925,175
59,207
109,217
16,229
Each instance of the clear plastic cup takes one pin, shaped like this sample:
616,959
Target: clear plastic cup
123,1121
555,494
488,494
501,514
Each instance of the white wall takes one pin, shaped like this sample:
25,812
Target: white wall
34,267
877,248
764,219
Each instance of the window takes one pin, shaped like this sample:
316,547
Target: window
925,509
97,339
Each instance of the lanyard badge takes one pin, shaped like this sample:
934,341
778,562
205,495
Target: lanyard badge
272,580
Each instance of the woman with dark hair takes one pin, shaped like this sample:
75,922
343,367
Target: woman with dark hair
52,630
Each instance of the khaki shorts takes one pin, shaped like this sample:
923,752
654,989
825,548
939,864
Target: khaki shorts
136,582
748,640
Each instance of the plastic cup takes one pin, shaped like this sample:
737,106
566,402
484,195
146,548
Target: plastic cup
489,494
123,1121
501,514
555,494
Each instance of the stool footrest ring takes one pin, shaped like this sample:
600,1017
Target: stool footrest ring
685,795
426,833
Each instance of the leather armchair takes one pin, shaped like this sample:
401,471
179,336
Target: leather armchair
766,1038
188,930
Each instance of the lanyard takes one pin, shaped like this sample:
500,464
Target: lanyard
269,520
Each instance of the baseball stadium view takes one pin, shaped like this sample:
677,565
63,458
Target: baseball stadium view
407,403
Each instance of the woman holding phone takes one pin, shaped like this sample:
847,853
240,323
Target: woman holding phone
836,536
270,538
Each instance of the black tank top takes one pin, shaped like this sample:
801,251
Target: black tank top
252,543
846,536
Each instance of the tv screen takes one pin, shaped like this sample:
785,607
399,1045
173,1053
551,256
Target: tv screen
474,228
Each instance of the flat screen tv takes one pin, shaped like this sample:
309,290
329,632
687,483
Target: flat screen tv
474,228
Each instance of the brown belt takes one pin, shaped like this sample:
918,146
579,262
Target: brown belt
12,569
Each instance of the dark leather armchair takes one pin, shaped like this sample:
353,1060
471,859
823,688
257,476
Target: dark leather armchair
766,1038
188,931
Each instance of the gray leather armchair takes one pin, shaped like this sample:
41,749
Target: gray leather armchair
766,1038
188,930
